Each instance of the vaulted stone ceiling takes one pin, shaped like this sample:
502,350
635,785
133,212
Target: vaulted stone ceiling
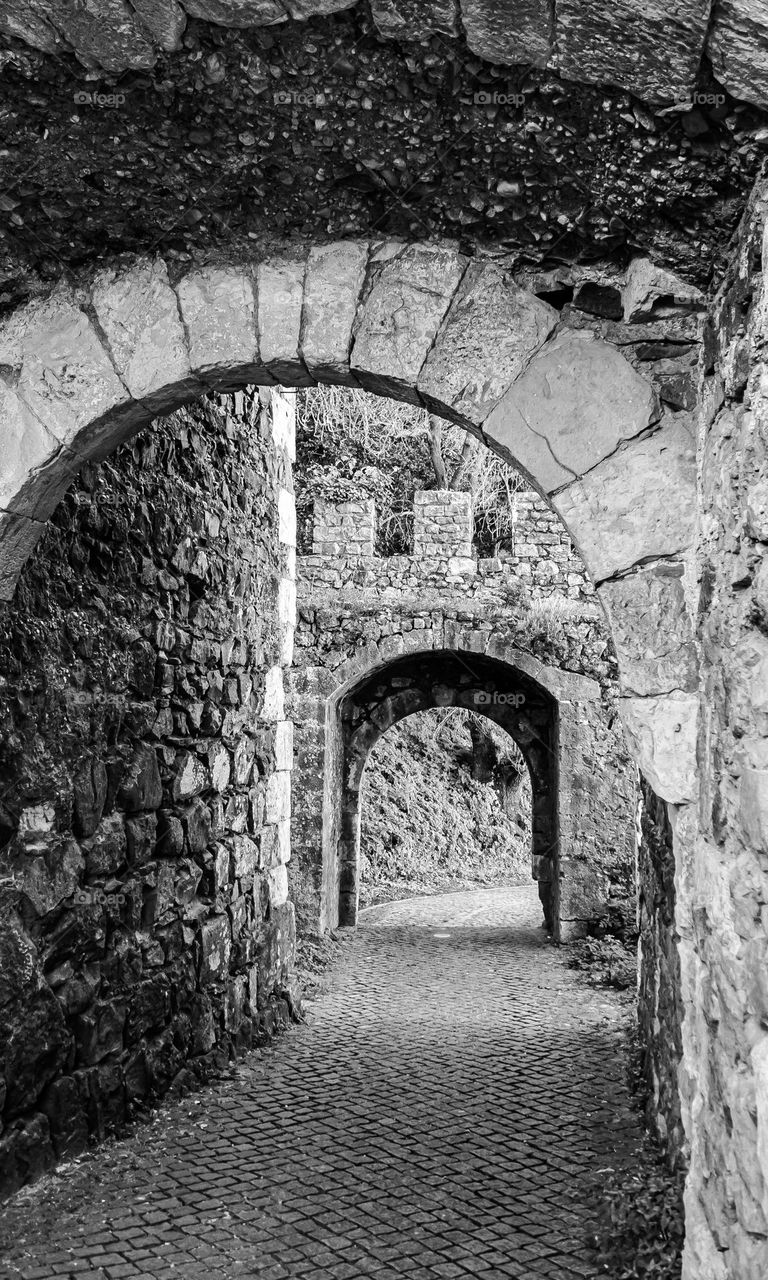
588,133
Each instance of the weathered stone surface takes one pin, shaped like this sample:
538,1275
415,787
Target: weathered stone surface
490,333
648,289
32,1027
89,794
62,372
141,787
637,505
45,878
139,314
757,510
302,9
503,34
218,308
662,736
29,24
107,850
654,53
165,19
103,34
237,13
415,19
280,290
140,835
401,316
576,401
30,471
653,659
216,944
753,807
191,777
332,290
738,48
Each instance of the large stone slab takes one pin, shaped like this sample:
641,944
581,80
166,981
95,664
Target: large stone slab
218,308
165,19
415,19
139,314
332,290
653,50
505,33
103,33
30,24
646,285
661,733
62,372
490,333
637,505
280,292
237,13
653,659
576,401
738,48
401,316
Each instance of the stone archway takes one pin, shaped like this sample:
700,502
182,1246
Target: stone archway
86,367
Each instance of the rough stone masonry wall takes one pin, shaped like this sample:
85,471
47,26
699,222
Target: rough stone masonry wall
722,879
356,609
144,815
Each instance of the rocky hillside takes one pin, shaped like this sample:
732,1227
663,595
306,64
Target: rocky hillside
428,825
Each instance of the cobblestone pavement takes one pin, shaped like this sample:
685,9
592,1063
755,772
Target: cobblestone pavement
448,1111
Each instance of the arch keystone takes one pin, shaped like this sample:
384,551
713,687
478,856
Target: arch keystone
139,314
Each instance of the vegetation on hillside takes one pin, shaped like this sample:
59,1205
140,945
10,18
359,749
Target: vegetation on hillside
446,804
352,445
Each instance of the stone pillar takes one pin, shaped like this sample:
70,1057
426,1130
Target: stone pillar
344,529
442,528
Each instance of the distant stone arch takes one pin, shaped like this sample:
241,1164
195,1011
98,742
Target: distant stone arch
87,365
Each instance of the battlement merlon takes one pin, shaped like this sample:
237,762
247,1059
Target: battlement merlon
442,527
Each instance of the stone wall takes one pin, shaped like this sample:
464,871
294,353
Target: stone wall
359,613
655,53
722,872
144,818
541,562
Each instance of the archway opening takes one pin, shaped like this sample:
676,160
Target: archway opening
445,805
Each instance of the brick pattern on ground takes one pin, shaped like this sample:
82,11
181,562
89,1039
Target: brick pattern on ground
449,1110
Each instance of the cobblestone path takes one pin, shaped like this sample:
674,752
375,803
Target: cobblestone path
448,1111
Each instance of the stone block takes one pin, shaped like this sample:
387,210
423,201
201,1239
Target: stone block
738,49
509,35
63,374
237,13
400,318
284,745
280,296
661,733
141,787
33,1031
63,1107
273,706
218,308
106,36
653,52
215,949
48,878
753,807
165,19
637,505
25,1152
141,836
277,879
490,333
576,401
286,518
139,314
415,19
653,658
191,776
106,851
278,797
647,287
332,290
99,1032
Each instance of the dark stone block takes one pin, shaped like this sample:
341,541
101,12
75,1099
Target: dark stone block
33,1032
141,837
149,1007
141,787
99,1033
197,823
170,835
25,1152
89,796
63,1106
106,851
